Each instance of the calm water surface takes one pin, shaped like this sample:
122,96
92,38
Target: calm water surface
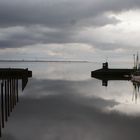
63,102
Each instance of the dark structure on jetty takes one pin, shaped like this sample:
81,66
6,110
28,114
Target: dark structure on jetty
106,74
9,91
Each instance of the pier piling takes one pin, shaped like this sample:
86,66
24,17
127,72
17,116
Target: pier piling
6,103
9,95
8,98
2,105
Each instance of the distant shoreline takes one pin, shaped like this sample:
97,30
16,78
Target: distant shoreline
42,61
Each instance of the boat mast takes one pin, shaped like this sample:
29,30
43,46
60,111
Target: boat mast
137,61
134,61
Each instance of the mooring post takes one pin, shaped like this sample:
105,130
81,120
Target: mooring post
8,101
17,90
6,107
2,105
10,94
0,125
14,93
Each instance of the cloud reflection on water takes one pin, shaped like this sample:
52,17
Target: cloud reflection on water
68,117
60,108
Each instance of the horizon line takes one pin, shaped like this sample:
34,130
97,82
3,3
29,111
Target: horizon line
44,60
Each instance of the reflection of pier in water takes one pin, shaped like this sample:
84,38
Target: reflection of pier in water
9,90
136,85
105,79
117,75
105,74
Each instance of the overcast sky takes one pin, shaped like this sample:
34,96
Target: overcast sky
69,29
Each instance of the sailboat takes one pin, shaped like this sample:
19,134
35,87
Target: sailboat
136,75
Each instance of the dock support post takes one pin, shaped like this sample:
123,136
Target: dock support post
8,96
6,107
17,90
0,128
2,105
11,95
9,92
0,125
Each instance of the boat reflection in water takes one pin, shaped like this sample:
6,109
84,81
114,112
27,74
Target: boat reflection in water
135,91
136,84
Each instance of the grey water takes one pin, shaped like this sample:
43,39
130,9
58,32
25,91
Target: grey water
62,102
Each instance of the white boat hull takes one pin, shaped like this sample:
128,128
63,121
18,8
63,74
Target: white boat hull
136,79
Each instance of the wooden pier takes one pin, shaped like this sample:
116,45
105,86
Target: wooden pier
105,74
105,71
9,97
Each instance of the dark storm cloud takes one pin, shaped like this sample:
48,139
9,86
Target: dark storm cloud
68,17
57,13
31,36
52,14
